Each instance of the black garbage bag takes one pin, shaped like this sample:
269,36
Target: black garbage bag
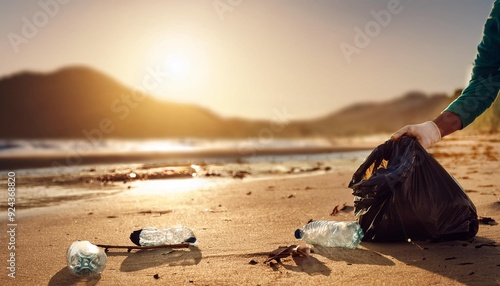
401,192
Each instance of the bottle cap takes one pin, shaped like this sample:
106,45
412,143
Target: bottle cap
299,233
190,240
134,237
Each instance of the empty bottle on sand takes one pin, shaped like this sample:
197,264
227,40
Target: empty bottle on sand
86,259
152,236
346,234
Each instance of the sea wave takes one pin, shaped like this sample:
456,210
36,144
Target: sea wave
61,147
70,154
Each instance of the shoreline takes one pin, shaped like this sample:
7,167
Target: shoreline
15,162
60,186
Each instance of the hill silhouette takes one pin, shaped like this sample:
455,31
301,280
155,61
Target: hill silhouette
383,117
79,102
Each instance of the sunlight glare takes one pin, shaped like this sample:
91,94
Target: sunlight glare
172,186
184,60
177,65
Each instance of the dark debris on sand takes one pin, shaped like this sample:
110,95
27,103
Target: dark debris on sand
285,251
113,177
487,220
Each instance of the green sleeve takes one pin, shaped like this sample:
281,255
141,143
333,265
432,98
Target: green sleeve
483,87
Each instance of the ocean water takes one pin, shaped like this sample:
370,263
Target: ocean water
54,146
70,154
46,186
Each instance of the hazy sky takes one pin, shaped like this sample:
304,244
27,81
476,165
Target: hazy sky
246,58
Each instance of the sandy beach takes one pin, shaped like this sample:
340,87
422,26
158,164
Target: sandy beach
239,221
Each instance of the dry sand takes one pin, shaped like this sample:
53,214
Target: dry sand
239,221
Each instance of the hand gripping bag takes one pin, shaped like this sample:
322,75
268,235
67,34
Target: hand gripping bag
401,192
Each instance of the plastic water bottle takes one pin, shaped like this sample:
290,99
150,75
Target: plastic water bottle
152,236
86,259
346,234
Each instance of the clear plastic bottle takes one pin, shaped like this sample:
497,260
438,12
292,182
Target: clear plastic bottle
86,259
152,236
346,234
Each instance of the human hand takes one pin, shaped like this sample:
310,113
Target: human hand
426,133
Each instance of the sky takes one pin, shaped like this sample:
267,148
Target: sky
243,58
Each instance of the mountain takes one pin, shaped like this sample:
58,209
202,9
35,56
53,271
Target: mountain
384,117
79,102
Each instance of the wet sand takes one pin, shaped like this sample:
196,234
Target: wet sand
240,220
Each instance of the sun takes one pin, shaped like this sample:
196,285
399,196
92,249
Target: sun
177,65
181,65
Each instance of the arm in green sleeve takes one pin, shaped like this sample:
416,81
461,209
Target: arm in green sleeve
484,85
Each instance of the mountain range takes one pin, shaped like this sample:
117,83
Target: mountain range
79,102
